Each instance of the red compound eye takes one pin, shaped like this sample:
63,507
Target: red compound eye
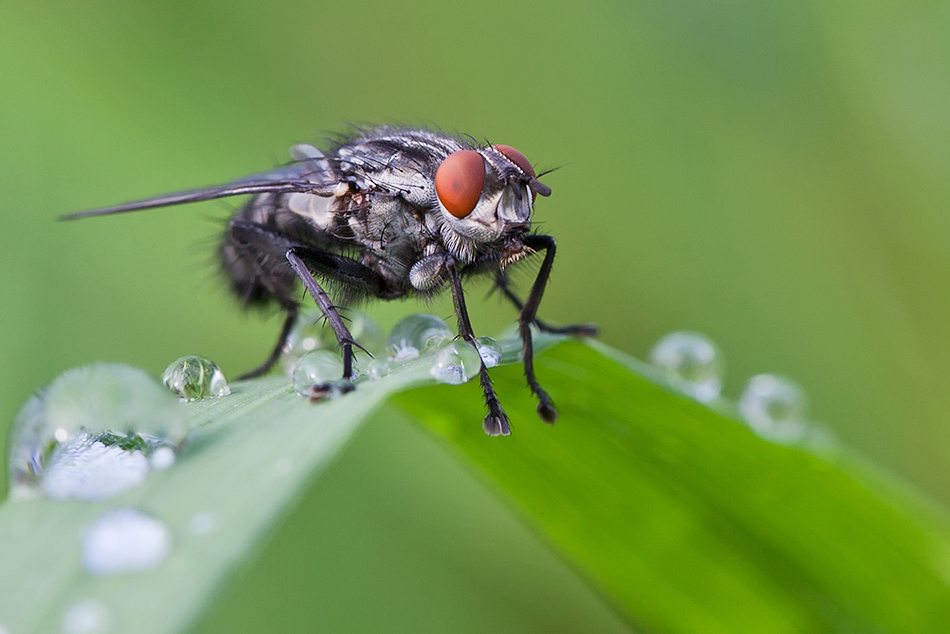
516,157
459,180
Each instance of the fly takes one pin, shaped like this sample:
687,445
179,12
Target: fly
385,213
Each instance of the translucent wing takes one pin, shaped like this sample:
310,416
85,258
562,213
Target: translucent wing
311,174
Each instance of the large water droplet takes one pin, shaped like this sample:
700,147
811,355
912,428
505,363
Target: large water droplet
375,369
490,351
775,408
87,433
85,468
415,335
193,378
87,617
124,540
456,363
317,375
311,332
691,363
201,523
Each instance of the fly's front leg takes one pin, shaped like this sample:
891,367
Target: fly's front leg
496,422
529,311
576,330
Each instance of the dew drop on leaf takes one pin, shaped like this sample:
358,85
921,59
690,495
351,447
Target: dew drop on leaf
201,523
691,363
415,335
775,408
455,364
311,332
320,370
490,351
87,617
193,378
89,434
124,540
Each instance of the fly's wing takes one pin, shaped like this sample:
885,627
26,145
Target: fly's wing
310,174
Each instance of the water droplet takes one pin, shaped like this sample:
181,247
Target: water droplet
201,523
124,540
415,335
490,351
193,378
456,363
87,469
311,332
320,368
87,617
89,431
691,363
775,408
376,369
283,467
162,458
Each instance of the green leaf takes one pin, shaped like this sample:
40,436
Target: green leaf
678,515
688,522
248,458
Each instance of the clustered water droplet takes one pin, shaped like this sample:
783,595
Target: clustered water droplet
455,364
90,433
124,540
201,523
490,351
415,335
193,378
775,408
317,375
318,368
86,617
691,362
311,332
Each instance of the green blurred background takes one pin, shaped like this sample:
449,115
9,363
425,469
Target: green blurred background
772,174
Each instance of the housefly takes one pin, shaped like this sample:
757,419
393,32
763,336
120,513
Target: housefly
384,213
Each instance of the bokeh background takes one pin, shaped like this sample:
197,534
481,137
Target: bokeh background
773,174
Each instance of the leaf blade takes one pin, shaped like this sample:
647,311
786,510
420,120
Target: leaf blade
689,522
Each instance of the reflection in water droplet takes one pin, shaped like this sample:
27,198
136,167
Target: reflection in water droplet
193,378
86,469
89,431
87,617
124,540
415,335
311,332
201,523
456,363
775,408
320,368
691,363
489,350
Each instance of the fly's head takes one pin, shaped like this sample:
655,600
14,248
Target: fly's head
486,196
